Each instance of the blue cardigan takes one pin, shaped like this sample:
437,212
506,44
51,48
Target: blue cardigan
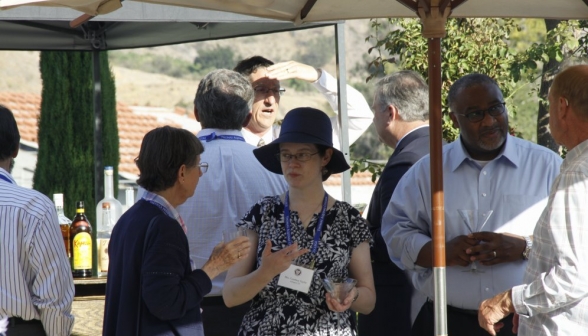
170,293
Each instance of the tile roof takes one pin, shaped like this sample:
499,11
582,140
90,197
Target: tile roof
358,179
133,123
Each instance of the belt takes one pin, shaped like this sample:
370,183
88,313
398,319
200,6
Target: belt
457,310
12,321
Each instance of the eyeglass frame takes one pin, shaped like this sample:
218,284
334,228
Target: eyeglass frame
294,156
484,111
275,92
203,166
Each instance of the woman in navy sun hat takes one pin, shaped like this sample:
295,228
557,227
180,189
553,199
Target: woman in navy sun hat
302,236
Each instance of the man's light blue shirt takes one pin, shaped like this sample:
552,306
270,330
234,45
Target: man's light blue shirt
234,182
515,186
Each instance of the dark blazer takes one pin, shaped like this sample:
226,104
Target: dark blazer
413,147
393,288
162,283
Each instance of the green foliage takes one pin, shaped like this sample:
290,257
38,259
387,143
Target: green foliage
471,45
317,51
215,58
374,167
110,139
65,162
173,67
558,44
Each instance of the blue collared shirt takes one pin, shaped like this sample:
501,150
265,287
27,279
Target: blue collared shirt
234,182
515,186
165,206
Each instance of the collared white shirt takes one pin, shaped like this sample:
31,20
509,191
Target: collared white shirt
515,186
554,297
234,182
359,113
412,130
35,275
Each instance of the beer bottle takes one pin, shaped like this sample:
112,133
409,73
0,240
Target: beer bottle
81,243
64,222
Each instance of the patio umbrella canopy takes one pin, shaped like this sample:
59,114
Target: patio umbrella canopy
327,10
135,25
433,14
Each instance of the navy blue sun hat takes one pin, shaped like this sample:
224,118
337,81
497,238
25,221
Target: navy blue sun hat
302,125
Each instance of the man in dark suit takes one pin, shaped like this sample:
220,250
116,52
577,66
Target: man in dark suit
401,118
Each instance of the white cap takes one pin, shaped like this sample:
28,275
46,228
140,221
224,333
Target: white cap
58,199
108,170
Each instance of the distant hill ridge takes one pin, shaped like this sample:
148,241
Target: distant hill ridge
19,70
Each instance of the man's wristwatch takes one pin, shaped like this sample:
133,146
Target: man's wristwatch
528,248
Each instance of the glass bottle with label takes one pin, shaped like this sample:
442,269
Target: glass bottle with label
103,238
81,243
64,222
115,207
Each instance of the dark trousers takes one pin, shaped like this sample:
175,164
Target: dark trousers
218,319
391,316
19,327
460,322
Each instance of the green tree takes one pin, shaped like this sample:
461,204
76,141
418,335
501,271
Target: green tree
471,45
215,58
563,43
65,162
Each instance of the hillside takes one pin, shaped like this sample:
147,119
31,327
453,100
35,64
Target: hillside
19,70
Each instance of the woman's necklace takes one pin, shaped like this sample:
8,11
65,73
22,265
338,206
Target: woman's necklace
307,217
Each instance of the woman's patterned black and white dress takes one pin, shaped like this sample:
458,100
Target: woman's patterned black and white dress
278,310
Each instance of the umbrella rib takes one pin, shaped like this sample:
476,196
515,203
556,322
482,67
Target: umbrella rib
426,5
306,9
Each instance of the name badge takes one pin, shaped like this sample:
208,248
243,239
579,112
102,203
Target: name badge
296,278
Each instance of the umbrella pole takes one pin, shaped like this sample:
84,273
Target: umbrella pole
438,213
433,15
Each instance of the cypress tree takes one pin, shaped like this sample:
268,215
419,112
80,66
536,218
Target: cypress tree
65,161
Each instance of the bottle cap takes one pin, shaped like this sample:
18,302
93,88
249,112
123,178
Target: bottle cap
80,205
58,200
108,170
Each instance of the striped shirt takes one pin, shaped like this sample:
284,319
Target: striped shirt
554,297
35,275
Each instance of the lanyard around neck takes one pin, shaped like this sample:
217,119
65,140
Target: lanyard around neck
214,136
319,228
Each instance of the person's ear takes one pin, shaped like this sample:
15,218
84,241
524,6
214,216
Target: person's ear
196,114
391,113
327,157
247,119
454,119
182,173
15,153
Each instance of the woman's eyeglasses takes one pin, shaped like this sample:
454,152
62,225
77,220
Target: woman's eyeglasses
301,157
203,167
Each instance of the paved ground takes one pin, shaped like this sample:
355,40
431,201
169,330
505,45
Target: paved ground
89,312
